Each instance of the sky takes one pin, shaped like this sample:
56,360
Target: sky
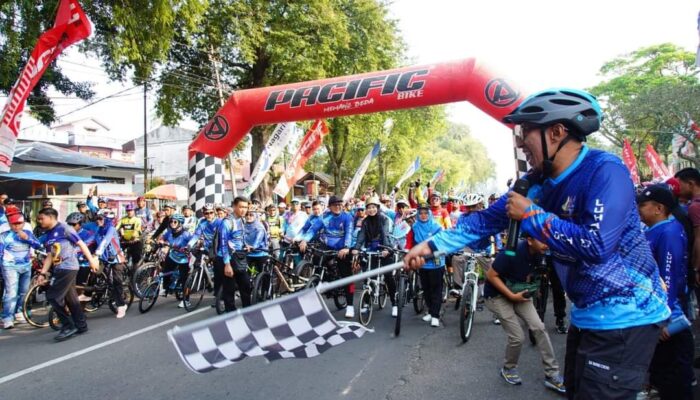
537,44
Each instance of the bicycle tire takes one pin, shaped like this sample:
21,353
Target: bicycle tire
304,271
261,288
400,302
194,290
313,281
149,297
365,311
383,294
53,320
466,314
339,299
418,297
35,306
142,278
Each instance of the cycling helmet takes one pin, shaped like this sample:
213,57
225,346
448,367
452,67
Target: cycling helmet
101,200
282,205
579,111
360,205
208,207
410,214
170,205
130,207
75,218
106,213
402,202
178,217
473,199
437,194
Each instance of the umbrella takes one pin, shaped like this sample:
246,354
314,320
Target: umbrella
169,192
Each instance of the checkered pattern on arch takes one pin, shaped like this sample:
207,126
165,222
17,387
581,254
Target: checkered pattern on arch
206,180
521,165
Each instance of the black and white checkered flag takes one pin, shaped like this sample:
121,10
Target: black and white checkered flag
206,180
294,326
521,165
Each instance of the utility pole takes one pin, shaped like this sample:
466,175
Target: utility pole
145,140
222,101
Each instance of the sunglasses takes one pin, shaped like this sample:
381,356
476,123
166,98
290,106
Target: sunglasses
73,224
209,213
174,222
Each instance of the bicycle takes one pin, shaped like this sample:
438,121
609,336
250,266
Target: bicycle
276,279
408,289
374,290
469,296
151,294
201,278
148,269
326,270
540,298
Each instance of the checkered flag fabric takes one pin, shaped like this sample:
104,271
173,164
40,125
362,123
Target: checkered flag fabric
206,180
294,326
521,165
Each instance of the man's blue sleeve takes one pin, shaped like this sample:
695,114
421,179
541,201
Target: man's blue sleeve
347,221
91,205
671,257
223,240
608,204
32,240
316,226
196,235
472,228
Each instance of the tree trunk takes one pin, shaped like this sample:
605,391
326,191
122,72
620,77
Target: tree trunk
260,134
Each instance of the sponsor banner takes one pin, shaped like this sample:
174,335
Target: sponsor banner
658,168
360,173
279,138
309,144
412,169
408,87
630,161
70,26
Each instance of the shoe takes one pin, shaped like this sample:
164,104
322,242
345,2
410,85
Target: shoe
455,292
427,318
349,312
561,327
394,311
496,321
555,383
121,311
81,331
66,333
434,322
8,325
181,304
511,376
19,318
84,299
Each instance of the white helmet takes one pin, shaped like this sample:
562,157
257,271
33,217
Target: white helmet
472,199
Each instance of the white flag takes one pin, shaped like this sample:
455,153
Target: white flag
415,166
360,173
280,137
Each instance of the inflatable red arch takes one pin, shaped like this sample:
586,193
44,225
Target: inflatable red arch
408,87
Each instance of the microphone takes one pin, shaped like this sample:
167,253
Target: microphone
521,187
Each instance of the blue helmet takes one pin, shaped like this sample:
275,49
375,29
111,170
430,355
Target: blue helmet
178,217
579,111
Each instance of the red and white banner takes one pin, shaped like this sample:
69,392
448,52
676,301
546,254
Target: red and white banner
309,144
408,87
658,168
71,25
630,161
693,126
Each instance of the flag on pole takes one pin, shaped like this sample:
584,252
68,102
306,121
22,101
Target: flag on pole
309,144
360,173
412,169
437,177
658,168
70,26
630,161
279,138
295,326
693,126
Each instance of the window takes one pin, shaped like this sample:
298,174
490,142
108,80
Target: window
110,179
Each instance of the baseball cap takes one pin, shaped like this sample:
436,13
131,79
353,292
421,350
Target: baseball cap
15,217
675,186
335,200
658,193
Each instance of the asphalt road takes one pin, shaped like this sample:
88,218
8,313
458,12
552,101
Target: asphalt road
423,363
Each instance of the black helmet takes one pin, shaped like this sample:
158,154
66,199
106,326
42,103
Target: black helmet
75,218
577,110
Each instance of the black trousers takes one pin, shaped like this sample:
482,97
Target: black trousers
170,265
134,251
671,370
558,297
117,282
62,292
608,365
431,280
228,285
345,270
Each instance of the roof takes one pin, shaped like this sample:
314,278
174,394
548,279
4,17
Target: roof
44,153
76,121
321,176
49,177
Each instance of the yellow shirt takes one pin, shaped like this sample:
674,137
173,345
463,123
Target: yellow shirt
130,228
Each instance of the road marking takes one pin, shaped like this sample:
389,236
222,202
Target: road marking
346,391
49,363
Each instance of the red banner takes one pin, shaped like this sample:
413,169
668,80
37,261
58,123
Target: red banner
658,168
693,126
309,144
630,161
408,87
71,25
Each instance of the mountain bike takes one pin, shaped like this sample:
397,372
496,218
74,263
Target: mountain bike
150,294
200,279
324,270
408,290
375,289
147,270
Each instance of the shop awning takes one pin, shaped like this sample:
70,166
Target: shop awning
48,177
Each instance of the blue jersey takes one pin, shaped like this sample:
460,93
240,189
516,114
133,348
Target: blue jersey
424,230
60,243
307,226
669,246
256,237
15,252
3,216
87,233
232,238
177,242
107,241
204,230
335,230
589,219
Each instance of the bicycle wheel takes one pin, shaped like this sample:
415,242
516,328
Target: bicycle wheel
142,277
35,306
303,271
418,298
400,302
53,320
382,295
261,288
194,290
365,314
466,315
149,297
339,299
313,281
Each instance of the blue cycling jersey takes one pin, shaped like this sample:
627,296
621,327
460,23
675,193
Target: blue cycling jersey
205,230
60,243
588,217
424,230
669,246
15,252
335,230
177,242
256,237
107,241
232,238
87,233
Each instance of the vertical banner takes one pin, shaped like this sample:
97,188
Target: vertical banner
412,169
309,144
360,173
658,168
693,127
206,180
71,26
630,161
437,177
279,138
697,55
